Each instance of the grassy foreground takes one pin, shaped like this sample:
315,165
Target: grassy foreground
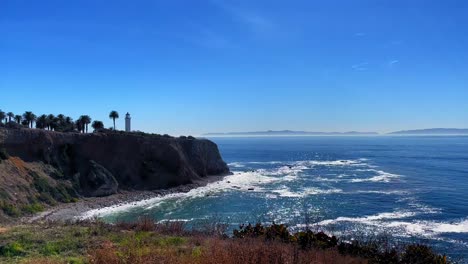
146,242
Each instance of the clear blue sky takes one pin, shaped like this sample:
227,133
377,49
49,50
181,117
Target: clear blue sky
190,67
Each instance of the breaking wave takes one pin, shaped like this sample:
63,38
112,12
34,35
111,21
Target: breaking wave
396,221
381,176
286,192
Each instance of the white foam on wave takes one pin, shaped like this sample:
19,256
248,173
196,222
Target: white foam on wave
265,162
289,171
252,181
236,165
430,228
286,192
395,220
381,176
239,181
310,163
426,209
457,227
247,179
394,192
307,164
321,179
369,220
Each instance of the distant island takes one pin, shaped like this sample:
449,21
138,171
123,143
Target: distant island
288,133
429,131
433,131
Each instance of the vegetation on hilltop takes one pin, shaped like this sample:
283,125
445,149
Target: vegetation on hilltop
60,123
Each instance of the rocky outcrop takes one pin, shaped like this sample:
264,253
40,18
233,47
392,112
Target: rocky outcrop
99,164
98,181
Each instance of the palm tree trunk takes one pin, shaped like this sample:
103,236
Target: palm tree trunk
114,122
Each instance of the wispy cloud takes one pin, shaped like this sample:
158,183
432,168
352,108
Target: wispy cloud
255,22
360,66
359,34
393,63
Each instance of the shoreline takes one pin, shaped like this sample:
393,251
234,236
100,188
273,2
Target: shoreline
72,211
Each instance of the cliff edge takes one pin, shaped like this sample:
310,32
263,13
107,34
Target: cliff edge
39,166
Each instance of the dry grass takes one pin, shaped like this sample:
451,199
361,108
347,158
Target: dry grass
208,250
19,164
145,242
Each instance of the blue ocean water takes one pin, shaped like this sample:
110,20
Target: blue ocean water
414,188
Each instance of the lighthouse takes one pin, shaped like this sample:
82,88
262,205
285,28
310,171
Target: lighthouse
127,122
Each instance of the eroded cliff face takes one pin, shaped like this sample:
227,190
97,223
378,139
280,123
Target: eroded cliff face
100,164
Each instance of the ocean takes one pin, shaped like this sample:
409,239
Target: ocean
411,188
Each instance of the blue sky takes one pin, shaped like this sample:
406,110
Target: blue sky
190,67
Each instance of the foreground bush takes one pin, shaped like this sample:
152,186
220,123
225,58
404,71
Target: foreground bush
372,250
145,241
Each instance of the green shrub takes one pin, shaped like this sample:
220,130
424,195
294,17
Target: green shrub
197,252
47,198
421,254
50,194
75,260
4,195
12,250
309,239
10,209
40,183
372,250
33,208
173,241
273,232
50,249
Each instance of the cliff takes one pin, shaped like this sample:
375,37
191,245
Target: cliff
66,165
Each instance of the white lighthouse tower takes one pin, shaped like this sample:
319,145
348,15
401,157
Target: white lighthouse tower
127,122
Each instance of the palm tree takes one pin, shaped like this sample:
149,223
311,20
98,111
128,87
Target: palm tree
29,117
68,124
41,122
79,125
2,116
97,125
50,121
85,119
18,119
114,115
60,122
68,120
10,116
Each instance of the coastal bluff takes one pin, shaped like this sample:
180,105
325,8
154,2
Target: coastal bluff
36,162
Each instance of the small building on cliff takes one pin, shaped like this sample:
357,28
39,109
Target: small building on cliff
128,120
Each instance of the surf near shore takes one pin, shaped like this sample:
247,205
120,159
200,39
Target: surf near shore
84,208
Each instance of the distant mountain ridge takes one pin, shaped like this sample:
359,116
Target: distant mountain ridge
428,131
433,131
287,132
